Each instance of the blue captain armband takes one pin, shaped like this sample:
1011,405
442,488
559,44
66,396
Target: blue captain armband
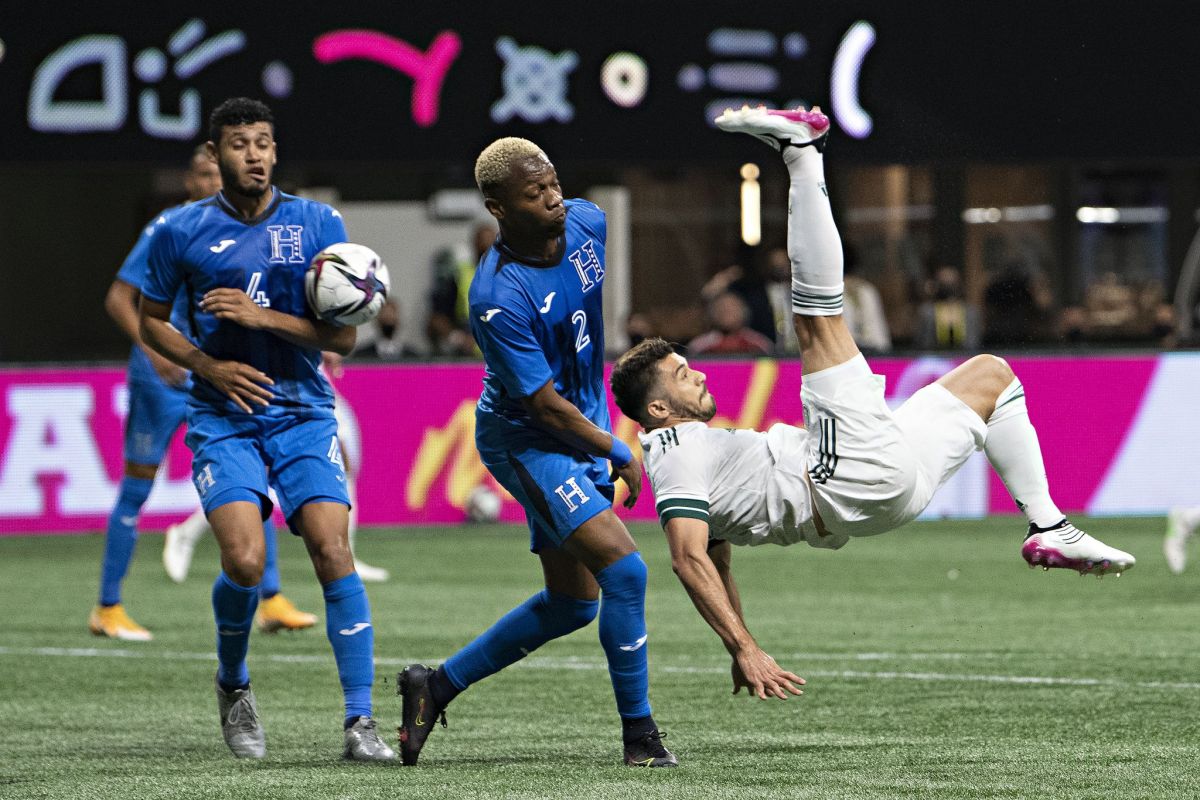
619,454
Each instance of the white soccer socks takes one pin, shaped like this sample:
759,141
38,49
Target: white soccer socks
814,246
1013,450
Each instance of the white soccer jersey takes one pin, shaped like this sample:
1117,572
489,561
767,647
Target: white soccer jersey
728,478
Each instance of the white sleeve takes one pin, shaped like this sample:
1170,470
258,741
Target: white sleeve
679,476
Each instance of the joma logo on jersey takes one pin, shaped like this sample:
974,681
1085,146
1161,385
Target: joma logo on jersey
571,494
590,270
287,240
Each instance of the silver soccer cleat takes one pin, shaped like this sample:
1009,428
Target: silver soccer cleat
363,743
239,723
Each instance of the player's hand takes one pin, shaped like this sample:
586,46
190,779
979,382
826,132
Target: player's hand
233,305
171,373
241,383
334,363
762,677
631,473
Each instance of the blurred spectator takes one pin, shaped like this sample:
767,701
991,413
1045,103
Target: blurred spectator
448,328
748,284
728,314
638,328
779,292
863,310
1116,311
945,320
382,337
1017,307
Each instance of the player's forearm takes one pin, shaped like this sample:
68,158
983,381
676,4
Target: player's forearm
121,305
705,586
306,333
160,336
560,418
720,555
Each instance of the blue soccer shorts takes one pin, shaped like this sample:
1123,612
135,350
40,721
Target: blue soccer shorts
559,489
156,411
231,456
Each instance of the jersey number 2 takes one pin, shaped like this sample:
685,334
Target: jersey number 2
256,294
582,339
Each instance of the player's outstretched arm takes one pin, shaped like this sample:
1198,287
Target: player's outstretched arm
241,383
560,418
710,593
236,306
121,303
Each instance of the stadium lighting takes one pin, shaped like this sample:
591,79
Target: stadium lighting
751,205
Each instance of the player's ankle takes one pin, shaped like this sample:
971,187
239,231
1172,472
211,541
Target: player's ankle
442,688
634,728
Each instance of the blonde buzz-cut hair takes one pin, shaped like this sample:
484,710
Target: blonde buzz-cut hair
494,165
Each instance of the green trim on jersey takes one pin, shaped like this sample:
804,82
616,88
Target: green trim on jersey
673,507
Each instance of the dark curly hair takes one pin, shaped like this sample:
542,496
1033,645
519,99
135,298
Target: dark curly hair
237,111
635,376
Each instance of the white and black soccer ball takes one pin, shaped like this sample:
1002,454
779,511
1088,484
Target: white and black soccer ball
483,505
347,284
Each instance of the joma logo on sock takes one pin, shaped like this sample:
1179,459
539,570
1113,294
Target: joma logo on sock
358,627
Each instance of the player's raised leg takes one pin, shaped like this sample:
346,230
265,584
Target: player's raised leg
1182,522
597,569
179,543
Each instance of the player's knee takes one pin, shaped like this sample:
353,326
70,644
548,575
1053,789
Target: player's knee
569,613
244,566
330,555
627,575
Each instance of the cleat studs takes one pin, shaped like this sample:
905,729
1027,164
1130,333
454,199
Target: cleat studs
1045,568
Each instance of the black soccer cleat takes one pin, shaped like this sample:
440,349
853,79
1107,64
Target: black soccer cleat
418,711
648,751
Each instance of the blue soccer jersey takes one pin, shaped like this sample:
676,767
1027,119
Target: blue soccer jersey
133,272
538,322
208,245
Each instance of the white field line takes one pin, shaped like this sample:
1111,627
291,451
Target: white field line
539,662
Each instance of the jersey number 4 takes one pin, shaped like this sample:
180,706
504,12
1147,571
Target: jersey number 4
256,294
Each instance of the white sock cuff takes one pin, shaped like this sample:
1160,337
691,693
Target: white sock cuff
1010,403
817,301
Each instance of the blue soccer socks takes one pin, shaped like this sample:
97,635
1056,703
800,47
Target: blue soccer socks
121,536
233,608
348,626
268,587
623,632
545,616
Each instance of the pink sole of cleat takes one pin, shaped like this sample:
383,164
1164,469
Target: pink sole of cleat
813,119
1047,557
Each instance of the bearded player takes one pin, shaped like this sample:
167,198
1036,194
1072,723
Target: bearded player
858,469
158,391
259,403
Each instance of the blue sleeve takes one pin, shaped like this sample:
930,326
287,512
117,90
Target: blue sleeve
512,352
333,228
133,269
592,218
164,273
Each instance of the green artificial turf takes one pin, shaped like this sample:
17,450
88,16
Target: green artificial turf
938,664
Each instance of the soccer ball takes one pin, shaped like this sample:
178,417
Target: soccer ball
346,284
483,505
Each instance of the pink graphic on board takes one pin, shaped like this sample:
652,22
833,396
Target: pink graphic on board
61,437
428,69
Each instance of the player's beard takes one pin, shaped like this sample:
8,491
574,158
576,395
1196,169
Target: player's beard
232,181
704,409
